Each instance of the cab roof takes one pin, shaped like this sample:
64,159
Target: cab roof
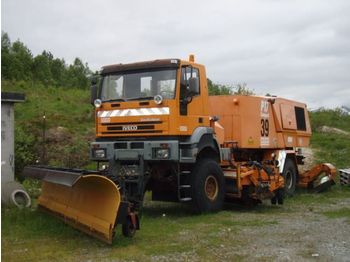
159,63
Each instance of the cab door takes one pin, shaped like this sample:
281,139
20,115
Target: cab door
191,102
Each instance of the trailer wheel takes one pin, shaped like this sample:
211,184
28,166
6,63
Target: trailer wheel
290,177
128,228
208,189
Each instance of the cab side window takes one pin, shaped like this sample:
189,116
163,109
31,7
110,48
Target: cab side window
189,85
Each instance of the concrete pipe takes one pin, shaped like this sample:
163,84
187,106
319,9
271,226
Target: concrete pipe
13,194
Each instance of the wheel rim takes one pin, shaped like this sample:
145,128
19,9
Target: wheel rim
289,180
211,187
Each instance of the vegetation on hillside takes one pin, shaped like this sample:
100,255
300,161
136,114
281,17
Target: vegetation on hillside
18,63
68,125
56,90
331,147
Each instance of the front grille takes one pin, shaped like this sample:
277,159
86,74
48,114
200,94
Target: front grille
131,128
132,123
129,145
137,145
122,145
133,132
116,128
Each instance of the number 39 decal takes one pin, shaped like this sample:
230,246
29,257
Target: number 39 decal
264,127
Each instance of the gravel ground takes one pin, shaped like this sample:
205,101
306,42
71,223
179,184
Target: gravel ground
301,236
305,235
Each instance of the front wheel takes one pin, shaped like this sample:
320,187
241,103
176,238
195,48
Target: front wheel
208,190
290,177
128,228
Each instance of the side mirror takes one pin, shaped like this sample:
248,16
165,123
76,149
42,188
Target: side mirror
193,86
93,93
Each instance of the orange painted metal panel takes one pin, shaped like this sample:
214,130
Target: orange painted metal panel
260,122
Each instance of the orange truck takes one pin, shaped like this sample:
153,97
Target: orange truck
158,130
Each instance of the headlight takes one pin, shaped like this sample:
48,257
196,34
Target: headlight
98,103
158,99
99,153
162,153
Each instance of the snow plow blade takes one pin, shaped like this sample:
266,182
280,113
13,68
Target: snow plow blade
88,202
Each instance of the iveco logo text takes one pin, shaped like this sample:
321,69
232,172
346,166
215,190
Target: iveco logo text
129,128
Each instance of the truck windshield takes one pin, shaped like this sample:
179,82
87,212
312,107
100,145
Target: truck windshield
139,85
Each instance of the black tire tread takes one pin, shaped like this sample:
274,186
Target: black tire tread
289,165
200,202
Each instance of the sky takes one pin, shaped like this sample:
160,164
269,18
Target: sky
294,49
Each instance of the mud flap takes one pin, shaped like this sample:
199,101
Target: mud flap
90,203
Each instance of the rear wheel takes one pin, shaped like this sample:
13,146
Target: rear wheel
290,177
207,186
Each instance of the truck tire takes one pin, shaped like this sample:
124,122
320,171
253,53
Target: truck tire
128,228
290,177
208,186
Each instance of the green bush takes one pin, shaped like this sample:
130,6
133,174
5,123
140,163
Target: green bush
25,150
330,117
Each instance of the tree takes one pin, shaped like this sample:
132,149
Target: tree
5,55
42,68
21,61
242,89
218,89
77,75
18,64
58,71
16,59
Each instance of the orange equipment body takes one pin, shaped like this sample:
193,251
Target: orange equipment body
266,129
262,122
167,122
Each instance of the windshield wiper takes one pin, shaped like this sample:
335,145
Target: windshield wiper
140,98
115,100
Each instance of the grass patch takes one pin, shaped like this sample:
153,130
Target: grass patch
332,148
35,236
339,213
333,194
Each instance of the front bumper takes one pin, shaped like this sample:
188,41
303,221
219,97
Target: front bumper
132,150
